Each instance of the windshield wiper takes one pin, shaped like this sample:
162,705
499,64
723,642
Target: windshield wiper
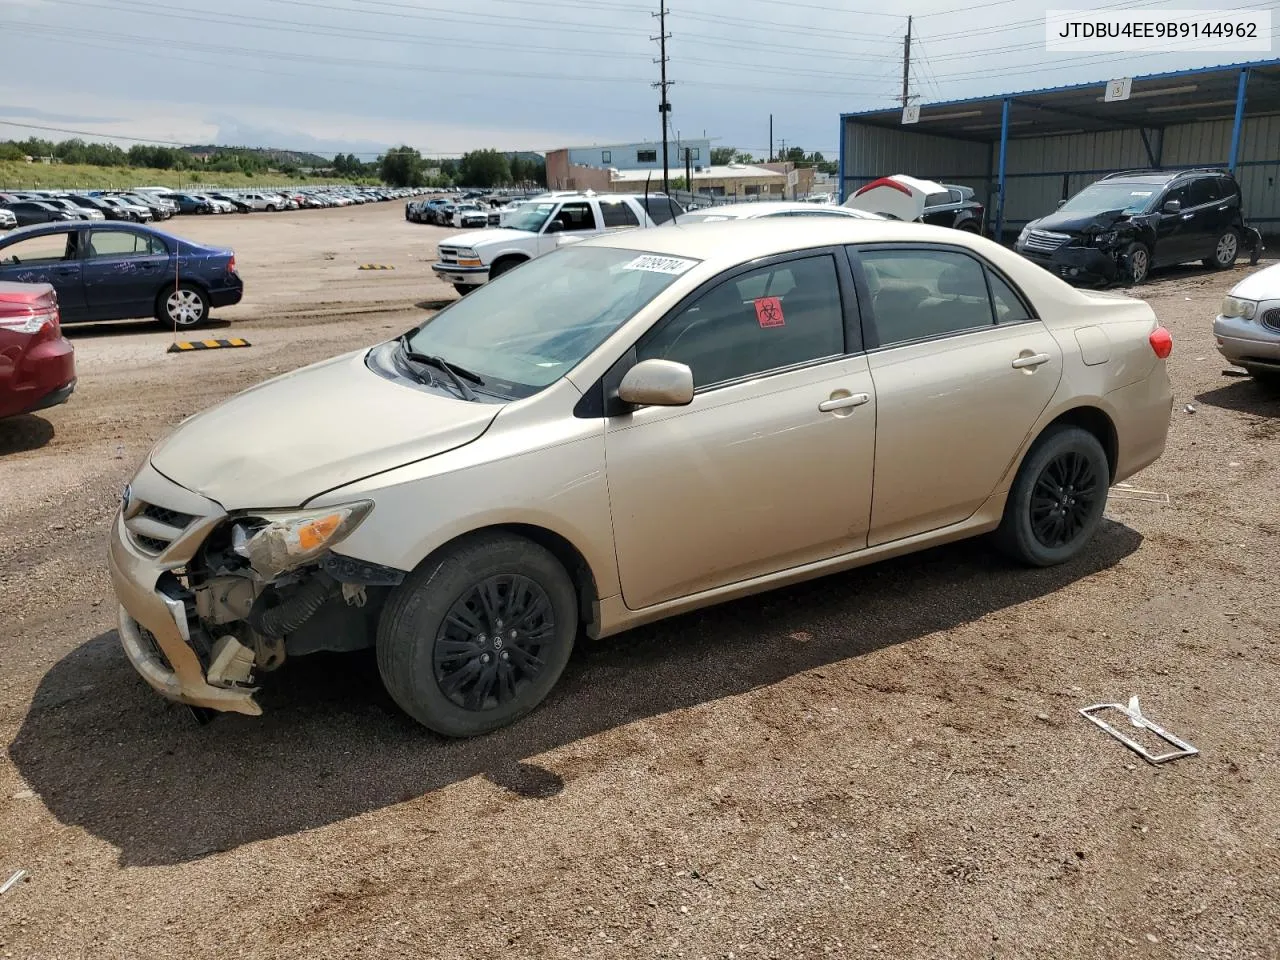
455,374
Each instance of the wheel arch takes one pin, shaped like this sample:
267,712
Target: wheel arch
513,257
566,553
1096,421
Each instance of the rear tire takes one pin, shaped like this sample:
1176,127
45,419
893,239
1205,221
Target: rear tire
476,637
1225,251
1057,499
185,308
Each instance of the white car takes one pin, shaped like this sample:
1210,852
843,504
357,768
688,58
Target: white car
1248,327
771,208
513,208
469,215
219,206
470,260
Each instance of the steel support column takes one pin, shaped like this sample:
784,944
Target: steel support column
1239,121
1004,149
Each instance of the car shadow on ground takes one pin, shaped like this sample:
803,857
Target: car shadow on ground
1245,395
438,304
121,328
106,754
24,433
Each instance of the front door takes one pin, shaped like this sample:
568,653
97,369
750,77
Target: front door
123,271
770,466
962,373
575,218
47,258
1176,240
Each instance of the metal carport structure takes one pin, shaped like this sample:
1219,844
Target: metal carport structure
1026,151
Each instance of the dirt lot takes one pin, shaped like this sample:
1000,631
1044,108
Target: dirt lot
887,763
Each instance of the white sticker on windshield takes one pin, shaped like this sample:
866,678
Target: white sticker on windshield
654,264
1141,193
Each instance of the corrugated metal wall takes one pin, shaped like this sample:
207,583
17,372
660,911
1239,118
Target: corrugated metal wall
1041,171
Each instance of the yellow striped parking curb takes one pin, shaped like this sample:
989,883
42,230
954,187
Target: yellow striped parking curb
375,266
185,346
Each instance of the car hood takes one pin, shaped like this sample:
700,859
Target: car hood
1263,285
289,439
489,237
1073,222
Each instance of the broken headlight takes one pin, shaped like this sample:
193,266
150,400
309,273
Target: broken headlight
1105,239
276,541
1239,307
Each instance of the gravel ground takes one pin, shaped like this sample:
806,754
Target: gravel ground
885,763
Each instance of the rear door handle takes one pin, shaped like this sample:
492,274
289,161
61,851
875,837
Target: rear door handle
1023,363
844,403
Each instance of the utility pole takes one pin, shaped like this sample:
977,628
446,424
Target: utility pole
664,105
688,169
906,67
771,138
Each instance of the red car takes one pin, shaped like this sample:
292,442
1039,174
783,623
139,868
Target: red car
37,363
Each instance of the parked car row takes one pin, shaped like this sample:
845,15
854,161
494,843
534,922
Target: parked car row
148,204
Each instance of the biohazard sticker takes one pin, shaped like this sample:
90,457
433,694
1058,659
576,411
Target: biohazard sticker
769,312
674,266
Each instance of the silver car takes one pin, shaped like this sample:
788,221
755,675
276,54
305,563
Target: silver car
1248,327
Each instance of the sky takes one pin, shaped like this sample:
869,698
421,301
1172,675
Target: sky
445,77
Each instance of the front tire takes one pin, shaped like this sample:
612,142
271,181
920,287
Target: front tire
477,637
1225,252
185,308
1057,499
1139,260
463,289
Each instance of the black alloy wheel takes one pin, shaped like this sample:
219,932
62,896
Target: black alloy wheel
1064,499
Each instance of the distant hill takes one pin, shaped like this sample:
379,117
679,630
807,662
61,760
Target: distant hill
526,155
270,154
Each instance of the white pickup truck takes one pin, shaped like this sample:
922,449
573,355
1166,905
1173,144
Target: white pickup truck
469,260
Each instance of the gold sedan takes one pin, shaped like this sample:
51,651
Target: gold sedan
634,426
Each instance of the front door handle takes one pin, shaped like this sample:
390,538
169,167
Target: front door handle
1188,216
844,403
1023,363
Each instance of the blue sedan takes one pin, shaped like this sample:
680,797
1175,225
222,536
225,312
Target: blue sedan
118,271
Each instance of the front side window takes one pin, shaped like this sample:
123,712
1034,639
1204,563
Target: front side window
537,323
765,319
47,248
618,213
919,294
529,216
575,217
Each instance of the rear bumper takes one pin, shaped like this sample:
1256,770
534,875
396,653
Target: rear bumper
227,296
1241,340
1076,264
46,377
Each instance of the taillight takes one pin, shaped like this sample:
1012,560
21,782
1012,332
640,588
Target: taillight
28,319
231,264
1161,342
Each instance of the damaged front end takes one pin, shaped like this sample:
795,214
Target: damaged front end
1105,251
211,601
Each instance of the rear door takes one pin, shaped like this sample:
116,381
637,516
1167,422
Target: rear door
1213,214
123,270
962,370
52,258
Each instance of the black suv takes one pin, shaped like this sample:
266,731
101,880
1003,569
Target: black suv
1120,227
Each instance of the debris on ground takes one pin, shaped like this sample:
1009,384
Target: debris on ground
12,882
1133,711
1190,408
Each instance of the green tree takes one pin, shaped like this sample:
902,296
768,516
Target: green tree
723,155
743,158
484,168
402,167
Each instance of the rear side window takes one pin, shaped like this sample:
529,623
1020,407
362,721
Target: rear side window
1008,305
919,294
774,316
938,199
618,213
661,209
120,243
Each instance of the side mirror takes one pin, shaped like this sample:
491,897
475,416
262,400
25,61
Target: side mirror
1172,206
555,226
657,383
1061,203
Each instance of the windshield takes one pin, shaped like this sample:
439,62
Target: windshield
1129,197
531,216
528,328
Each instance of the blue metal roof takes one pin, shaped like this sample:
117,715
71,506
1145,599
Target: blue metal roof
1229,69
